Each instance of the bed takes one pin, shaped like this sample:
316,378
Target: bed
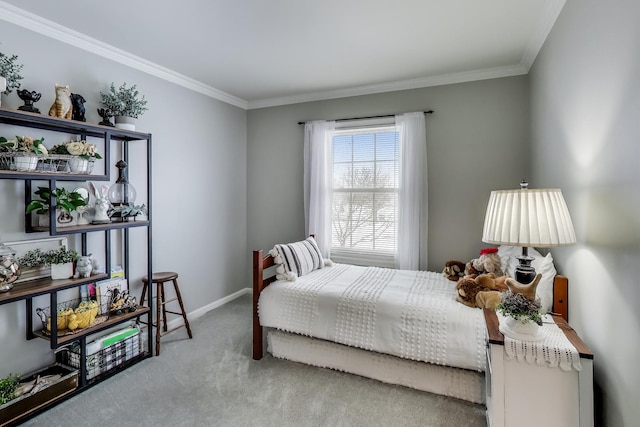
399,327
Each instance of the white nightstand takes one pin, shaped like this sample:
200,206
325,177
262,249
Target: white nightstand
521,394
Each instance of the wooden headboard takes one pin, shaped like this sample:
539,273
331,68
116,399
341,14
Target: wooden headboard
261,262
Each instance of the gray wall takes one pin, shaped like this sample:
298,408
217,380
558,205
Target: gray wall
199,180
477,141
585,97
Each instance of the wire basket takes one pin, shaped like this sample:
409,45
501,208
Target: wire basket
73,315
106,359
49,163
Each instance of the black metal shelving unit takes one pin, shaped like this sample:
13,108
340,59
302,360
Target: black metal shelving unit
26,291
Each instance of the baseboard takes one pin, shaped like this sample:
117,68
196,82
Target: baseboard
193,315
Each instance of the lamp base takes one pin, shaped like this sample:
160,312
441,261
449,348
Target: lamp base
525,273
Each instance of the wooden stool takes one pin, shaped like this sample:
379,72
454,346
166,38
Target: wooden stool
161,312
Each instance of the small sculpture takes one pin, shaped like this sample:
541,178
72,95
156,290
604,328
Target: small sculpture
84,266
78,112
82,212
106,114
62,107
29,98
102,205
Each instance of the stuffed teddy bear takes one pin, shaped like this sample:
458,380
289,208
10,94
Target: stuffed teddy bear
482,291
453,270
488,262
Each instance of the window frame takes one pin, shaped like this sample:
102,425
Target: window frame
360,256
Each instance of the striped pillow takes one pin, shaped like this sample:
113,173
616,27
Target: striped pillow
297,259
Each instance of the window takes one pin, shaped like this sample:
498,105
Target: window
365,195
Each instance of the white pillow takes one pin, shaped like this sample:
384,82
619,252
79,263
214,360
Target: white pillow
542,264
296,259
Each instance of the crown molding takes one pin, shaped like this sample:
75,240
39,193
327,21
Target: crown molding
53,30
20,17
444,79
550,13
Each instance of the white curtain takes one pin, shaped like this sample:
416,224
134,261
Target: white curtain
412,200
318,181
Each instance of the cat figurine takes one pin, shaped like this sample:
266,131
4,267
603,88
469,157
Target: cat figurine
62,106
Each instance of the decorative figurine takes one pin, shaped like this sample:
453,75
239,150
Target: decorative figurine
77,102
82,212
29,98
61,107
84,266
106,114
102,205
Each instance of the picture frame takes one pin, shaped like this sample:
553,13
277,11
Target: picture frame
24,246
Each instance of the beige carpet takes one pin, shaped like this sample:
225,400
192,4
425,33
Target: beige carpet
211,380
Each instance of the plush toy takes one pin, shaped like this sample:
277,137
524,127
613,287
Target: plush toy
467,288
488,262
453,270
488,299
481,291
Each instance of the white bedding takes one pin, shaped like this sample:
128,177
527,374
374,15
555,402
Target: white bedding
409,314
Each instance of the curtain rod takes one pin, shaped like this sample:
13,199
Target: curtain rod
369,117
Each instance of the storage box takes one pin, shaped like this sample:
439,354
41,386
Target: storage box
28,403
102,360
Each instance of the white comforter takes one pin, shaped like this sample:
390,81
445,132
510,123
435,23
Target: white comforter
410,314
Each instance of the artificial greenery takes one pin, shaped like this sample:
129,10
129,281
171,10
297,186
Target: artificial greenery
124,101
10,70
82,149
520,308
23,144
65,199
61,255
8,387
127,210
32,258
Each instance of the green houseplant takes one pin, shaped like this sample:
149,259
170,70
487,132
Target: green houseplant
10,70
61,261
67,201
124,102
8,387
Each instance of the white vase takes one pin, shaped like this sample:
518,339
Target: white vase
61,271
78,165
124,122
25,163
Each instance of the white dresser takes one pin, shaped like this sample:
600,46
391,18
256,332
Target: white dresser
521,394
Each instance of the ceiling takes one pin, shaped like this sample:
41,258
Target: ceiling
257,53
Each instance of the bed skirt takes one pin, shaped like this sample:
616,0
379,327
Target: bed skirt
453,382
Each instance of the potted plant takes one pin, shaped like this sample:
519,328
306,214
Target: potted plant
123,212
66,201
126,104
83,152
9,73
523,316
8,387
22,152
61,261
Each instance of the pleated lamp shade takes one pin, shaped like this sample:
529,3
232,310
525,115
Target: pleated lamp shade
534,218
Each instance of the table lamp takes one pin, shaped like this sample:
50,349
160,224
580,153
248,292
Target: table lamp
528,217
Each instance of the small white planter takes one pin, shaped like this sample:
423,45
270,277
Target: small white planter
124,122
61,271
78,165
523,331
25,163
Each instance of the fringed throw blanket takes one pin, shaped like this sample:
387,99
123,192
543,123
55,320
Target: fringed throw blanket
554,351
410,314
